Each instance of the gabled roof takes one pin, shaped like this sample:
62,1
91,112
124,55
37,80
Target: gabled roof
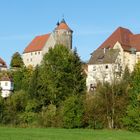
125,37
104,56
2,63
63,26
37,43
122,35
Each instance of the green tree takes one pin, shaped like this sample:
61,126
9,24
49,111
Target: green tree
21,78
1,108
17,79
93,112
62,74
13,107
27,74
132,118
34,82
73,112
16,61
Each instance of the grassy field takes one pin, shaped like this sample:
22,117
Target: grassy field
65,134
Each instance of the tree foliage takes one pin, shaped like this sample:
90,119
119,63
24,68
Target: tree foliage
73,112
62,74
16,61
132,118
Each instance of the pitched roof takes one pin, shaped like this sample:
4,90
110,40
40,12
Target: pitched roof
5,78
63,25
122,35
2,63
125,37
101,56
37,43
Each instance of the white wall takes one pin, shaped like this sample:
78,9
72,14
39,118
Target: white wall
7,87
100,72
32,58
49,44
35,58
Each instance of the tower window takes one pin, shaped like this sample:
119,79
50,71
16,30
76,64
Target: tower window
106,66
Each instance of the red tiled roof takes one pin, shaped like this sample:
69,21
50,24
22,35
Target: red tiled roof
37,43
121,35
125,37
135,41
3,63
63,26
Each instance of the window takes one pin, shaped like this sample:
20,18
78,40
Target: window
6,84
94,68
35,53
92,87
31,59
31,53
106,75
27,60
38,52
106,66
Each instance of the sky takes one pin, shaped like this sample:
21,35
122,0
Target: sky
91,20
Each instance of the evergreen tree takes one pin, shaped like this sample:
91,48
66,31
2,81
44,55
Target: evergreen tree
16,61
33,85
62,74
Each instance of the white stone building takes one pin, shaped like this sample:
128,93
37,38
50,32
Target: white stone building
34,52
121,49
6,86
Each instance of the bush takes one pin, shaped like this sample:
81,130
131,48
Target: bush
47,116
132,119
73,112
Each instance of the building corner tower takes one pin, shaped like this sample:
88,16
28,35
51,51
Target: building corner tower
63,34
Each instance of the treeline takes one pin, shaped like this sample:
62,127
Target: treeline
54,95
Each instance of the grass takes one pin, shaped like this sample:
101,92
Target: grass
65,134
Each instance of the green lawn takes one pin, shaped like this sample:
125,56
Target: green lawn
64,134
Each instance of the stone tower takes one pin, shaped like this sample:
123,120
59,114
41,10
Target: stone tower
63,34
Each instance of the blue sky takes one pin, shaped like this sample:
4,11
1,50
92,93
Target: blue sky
91,20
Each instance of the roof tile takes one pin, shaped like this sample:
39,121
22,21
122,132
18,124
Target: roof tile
37,43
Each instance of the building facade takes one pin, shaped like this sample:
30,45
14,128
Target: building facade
34,52
121,49
6,86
